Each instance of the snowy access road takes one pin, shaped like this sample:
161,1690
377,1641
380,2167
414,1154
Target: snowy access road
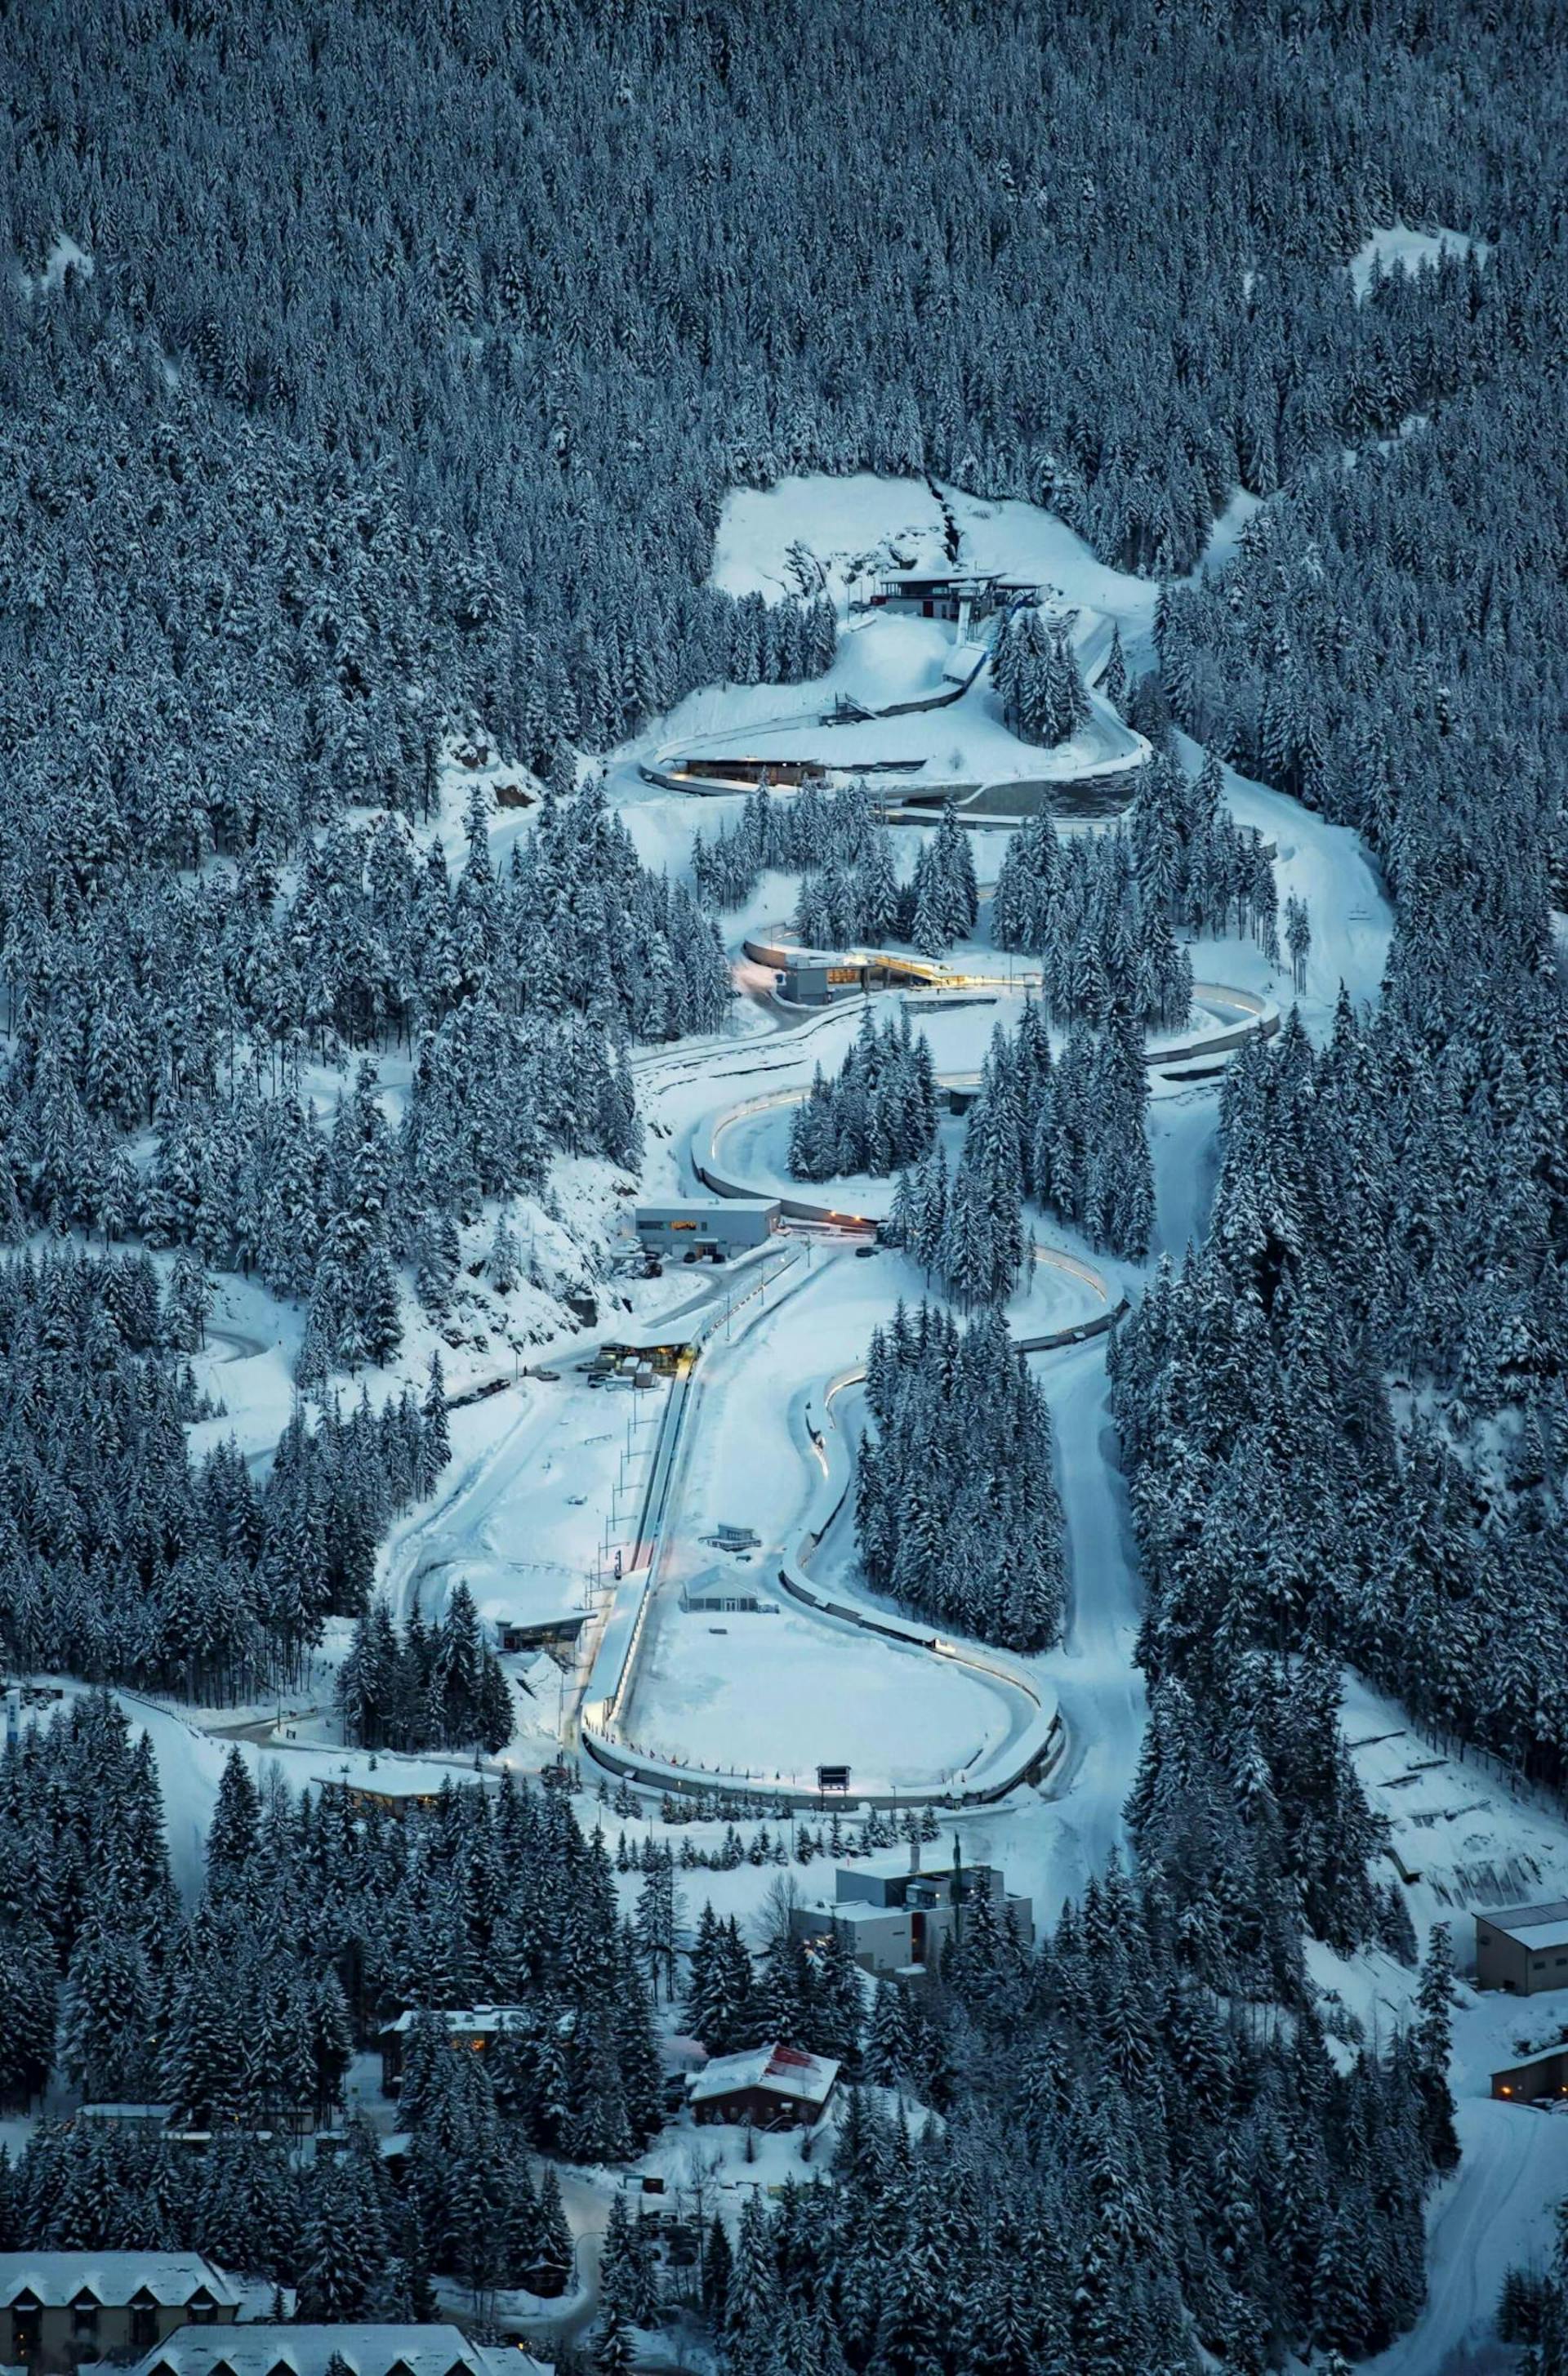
1495,2214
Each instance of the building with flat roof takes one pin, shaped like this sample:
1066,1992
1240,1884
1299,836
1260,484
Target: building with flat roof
723,1594
386,1791
152,2117
707,1228
963,599
816,976
898,1918
1523,1948
1531,2081
556,1632
770,2086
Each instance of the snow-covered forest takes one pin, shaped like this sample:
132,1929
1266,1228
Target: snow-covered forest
378,388
956,1508
878,1111
1067,1131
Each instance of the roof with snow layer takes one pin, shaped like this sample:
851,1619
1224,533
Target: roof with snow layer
270,2350
55,2280
779,2070
1532,1926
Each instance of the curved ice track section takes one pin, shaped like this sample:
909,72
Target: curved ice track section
1035,1738
708,1163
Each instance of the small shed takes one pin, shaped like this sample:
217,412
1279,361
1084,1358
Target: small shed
717,1594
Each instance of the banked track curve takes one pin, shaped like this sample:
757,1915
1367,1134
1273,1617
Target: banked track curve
1040,1742
706,1163
1036,1740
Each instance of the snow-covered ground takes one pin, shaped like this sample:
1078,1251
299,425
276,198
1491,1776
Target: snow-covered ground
544,1482
1472,1842
777,1693
1326,866
1397,247
842,536
64,255
756,1146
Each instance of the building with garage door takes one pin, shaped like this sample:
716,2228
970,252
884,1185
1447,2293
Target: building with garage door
1523,1948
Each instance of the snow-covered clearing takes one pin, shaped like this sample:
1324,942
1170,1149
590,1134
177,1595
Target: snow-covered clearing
1396,247
1326,866
857,529
527,1516
841,536
775,1694
1472,1843
64,255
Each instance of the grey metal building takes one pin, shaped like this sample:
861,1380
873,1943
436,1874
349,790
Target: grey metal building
1523,1948
898,1919
711,1227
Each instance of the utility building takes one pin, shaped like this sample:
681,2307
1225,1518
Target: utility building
1530,2083
708,1229
717,1594
898,1919
963,601
816,976
1523,1948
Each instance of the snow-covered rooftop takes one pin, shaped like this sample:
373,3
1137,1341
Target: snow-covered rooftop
1532,1926
150,2113
113,2279
780,2070
479,2019
268,2350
